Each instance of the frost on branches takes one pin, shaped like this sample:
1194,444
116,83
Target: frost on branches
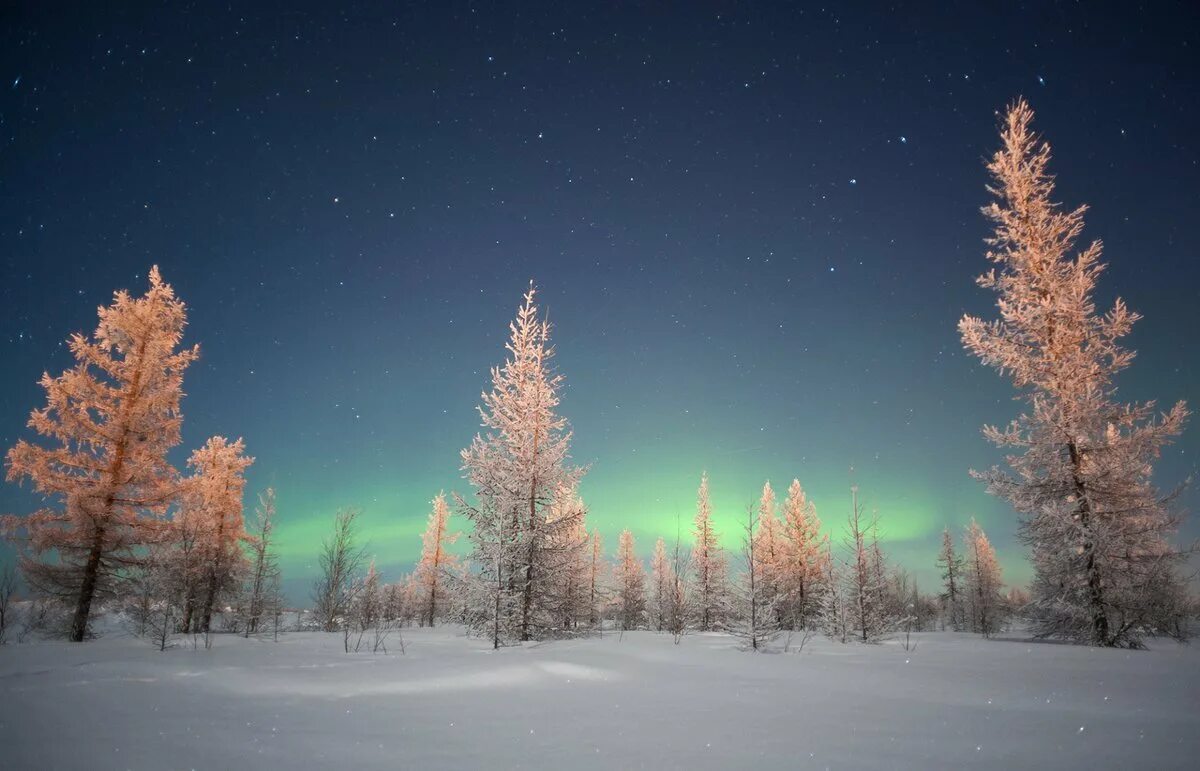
434,572
630,577
109,422
1080,462
519,467
709,567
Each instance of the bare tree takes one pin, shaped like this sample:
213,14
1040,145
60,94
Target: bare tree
341,559
8,588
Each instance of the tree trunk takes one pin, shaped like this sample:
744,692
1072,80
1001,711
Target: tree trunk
1100,635
87,589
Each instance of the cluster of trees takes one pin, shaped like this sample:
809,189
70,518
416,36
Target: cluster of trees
127,525
175,547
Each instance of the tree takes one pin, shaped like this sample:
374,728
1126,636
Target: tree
952,568
340,560
983,582
662,576
263,590
110,420
631,583
769,548
430,574
758,622
596,589
709,568
802,569
213,497
8,588
833,607
517,468
866,579
1080,461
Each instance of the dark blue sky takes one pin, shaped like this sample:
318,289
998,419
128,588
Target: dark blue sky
755,229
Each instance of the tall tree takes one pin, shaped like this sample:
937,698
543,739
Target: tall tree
709,569
262,591
213,494
802,570
631,583
1099,531
984,582
110,421
517,468
757,621
661,579
430,575
768,549
952,581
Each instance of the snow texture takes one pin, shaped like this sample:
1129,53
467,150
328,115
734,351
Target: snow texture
635,702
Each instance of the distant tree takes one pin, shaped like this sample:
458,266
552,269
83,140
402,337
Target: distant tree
866,578
709,567
430,575
596,582
1105,572
112,418
8,588
262,591
983,582
833,606
340,561
662,576
769,550
952,582
757,622
631,584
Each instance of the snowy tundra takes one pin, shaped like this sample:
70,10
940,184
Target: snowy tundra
639,701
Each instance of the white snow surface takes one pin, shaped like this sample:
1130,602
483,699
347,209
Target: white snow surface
956,701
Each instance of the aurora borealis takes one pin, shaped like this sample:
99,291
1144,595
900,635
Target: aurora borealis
754,231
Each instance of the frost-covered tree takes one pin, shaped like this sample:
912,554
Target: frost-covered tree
630,578
757,622
213,502
951,565
430,576
263,600
768,549
109,423
567,591
1080,462
802,565
596,580
340,560
709,567
984,582
517,468
833,603
865,575
661,578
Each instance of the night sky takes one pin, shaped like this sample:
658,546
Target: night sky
754,231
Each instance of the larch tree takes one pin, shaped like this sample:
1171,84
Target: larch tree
802,566
1079,461
864,574
262,590
109,423
432,572
768,549
213,498
517,468
709,568
757,622
984,582
662,577
630,577
596,583
951,565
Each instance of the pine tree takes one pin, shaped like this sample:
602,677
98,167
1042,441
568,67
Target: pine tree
111,419
952,569
802,570
517,469
1099,531
263,598
709,568
984,582
213,499
631,583
430,575
662,576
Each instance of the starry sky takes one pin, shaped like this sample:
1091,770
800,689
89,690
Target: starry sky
754,229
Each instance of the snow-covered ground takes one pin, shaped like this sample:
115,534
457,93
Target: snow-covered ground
956,701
